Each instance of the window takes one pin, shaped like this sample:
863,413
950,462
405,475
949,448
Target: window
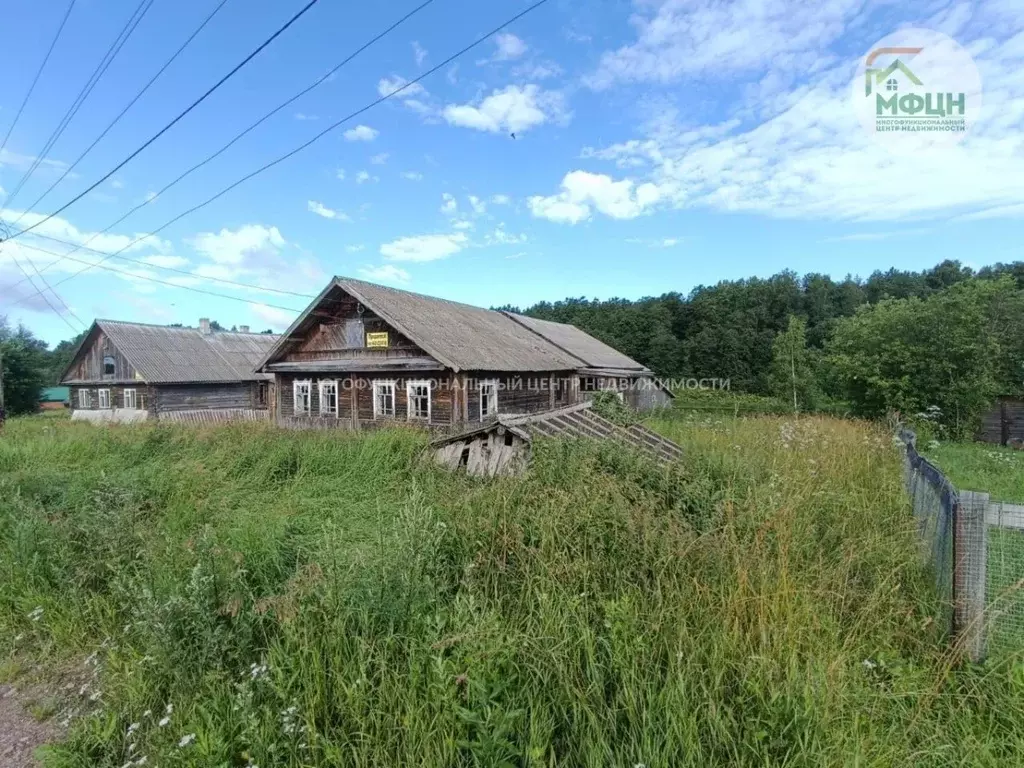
302,397
328,397
383,398
84,398
488,399
262,392
104,398
109,367
418,394
130,400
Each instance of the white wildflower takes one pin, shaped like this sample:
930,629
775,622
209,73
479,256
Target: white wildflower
36,614
164,722
186,740
133,728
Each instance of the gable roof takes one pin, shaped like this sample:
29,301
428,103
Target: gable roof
163,354
461,336
593,352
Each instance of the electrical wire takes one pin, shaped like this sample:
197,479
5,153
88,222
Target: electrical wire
318,136
121,114
101,68
169,125
242,134
39,72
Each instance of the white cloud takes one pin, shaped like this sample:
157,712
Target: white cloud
419,53
166,261
389,85
274,317
63,229
508,47
385,273
303,116
355,248
340,174
449,206
328,213
256,254
462,224
424,247
412,175
479,206
538,70
500,237
583,191
500,199
364,176
117,184
380,159
513,109
361,133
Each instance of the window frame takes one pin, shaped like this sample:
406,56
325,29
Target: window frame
484,385
84,399
134,399
377,385
409,399
308,384
321,384
113,367
100,397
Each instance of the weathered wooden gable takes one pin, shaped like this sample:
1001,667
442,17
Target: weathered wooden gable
99,360
342,329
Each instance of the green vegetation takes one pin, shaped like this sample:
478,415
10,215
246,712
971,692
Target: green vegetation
948,337
989,469
254,597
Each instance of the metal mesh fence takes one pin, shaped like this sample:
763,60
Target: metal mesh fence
934,500
1004,578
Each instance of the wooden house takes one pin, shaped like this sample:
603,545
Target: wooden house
363,355
133,372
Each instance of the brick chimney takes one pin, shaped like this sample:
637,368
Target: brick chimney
204,326
243,329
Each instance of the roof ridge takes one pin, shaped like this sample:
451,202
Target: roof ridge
193,328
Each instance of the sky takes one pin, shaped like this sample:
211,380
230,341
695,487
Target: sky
611,149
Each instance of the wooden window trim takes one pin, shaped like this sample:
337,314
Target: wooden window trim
409,387
378,384
99,395
322,384
133,398
84,399
308,384
493,384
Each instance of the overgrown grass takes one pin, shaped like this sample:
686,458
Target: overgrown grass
983,467
329,599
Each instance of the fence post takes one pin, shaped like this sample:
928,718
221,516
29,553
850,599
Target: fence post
970,558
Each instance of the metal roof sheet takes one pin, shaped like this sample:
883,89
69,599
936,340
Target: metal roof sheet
593,352
164,354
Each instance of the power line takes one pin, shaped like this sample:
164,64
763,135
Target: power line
130,104
42,292
148,265
253,126
167,127
318,136
94,78
39,72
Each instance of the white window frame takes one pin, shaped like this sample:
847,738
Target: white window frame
409,399
492,398
84,399
296,385
378,386
324,384
131,400
104,394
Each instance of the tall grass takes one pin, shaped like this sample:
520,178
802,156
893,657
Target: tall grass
318,599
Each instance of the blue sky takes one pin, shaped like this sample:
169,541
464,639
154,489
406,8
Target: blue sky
659,145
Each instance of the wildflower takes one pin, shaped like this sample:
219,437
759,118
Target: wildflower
133,728
169,709
868,664
164,721
258,671
36,614
186,740
148,713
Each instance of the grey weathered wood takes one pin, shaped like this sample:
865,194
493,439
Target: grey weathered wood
1005,515
970,546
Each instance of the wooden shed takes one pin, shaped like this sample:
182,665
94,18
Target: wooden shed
502,446
1003,423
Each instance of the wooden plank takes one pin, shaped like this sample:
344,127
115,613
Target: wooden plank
1005,515
475,457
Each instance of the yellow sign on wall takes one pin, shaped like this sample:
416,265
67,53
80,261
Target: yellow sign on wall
377,339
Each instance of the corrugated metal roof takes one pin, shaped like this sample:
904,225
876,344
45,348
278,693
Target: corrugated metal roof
468,337
593,352
54,394
162,354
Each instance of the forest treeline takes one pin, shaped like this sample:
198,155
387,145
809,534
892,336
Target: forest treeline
949,337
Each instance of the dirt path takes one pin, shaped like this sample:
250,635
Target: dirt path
20,731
